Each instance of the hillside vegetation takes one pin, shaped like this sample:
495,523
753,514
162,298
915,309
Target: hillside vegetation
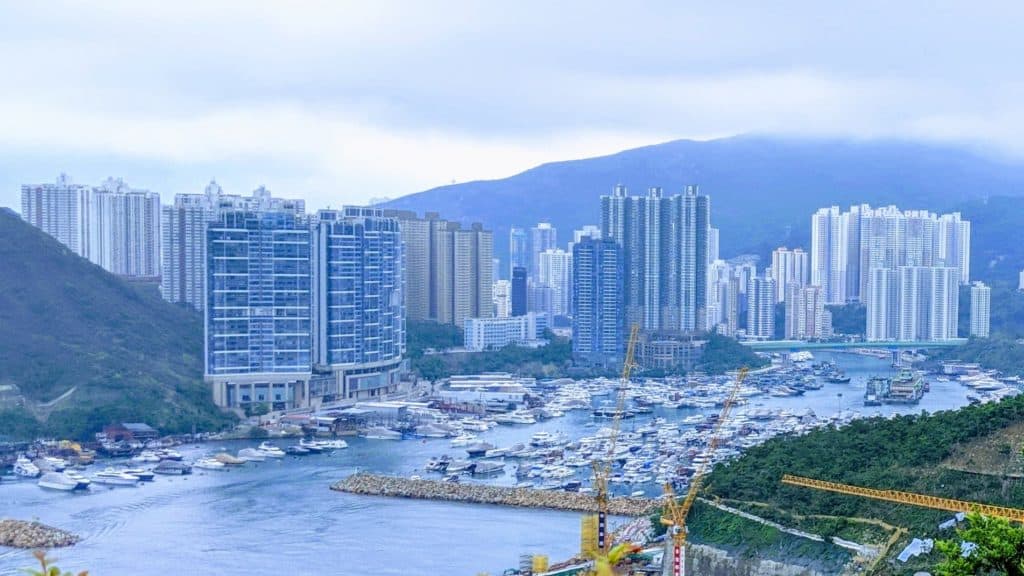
122,352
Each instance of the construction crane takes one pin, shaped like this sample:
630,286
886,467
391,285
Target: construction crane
922,500
675,513
603,470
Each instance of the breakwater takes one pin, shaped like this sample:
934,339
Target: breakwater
22,534
394,486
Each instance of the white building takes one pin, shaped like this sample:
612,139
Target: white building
789,267
502,296
806,315
556,274
913,303
58,209
981,299
761,309
494,333
1020,281
484,389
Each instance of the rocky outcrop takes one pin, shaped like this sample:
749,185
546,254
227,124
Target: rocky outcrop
709,561
22,534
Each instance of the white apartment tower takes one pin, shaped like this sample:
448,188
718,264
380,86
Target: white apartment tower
913,303
556,274
789,267
761,308
981,300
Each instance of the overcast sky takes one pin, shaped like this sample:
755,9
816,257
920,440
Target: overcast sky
340,102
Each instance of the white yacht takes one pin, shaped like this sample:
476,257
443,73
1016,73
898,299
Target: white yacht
336,444
24,467
146,456
61,481
463,440
270,451
115,478
208,464
382,433
516,417
251,455
144,475
83,482
50,464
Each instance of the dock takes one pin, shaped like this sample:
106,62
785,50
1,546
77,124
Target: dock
397,487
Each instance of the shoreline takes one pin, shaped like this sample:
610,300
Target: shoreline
29,535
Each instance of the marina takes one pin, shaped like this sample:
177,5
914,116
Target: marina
243,505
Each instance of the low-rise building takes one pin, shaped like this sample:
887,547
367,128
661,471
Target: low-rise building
494,333
661,351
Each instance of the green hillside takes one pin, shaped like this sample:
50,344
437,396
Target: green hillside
68,325
951,454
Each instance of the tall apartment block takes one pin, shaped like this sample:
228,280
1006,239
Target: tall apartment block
518,250
520,291
450,273
598,325
806,315
981,303
761,308
913,303
556,276
113,225
543,237
665,244
789,267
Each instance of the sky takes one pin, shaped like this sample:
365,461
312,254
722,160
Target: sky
341,102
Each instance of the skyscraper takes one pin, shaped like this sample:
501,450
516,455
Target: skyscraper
519,291
913,303
59,210
518,250
981,299
761,308
789,267
502,297
556,274
358,309
664,243
450,272
543,237
806,315
598,325
713,251
829,254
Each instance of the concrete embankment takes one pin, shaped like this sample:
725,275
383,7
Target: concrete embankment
375,485
22,534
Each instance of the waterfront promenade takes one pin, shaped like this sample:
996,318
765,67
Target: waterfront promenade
394,486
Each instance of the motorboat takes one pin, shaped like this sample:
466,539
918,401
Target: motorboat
335,444
479,449
312,446
516,417
486,468
297,451
144,475
463,440
168,454
50,464
77,477
60,481
252,455
228,459
25,468
208,464
431,431
438,464
146,456
174,468
458,466
381,433
270,451
113,477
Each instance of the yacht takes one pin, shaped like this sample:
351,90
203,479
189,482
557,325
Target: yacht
228,459
168,454
431,431
516,417
144,475
486,468
61,481
382,433
251,455
479,449
312,446
175,468
146,456
208,464
463,440
24,467
50,464
297,451
270,451
336,444
115,478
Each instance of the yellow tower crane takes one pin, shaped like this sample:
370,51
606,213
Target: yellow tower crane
922,500
675,513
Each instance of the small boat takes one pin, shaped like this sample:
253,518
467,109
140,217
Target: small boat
297,451
228,459
144,475
270,451
83,482
438,464
168,454
25,468
50,464
486,468
251,455
172,468
208,464
458,466
381,433
479,449
312,446
146,456
60,481
335,444
115,478
463,440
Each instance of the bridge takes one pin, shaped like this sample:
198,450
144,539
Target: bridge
792,345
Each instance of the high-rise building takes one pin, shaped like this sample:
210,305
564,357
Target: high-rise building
520,296
358,304
713,252
806,315
518,250
981,300
502,297
59,209
589,230
913,303
761,308
1020,281
598,325
556,274
789,267
664,242
450,272
258,309
183,242
829,254
543,237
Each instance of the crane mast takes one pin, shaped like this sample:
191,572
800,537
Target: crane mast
676,513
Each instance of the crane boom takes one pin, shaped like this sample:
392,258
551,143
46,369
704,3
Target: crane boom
922,500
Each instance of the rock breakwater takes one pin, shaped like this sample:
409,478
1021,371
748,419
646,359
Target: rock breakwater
376,485
22,534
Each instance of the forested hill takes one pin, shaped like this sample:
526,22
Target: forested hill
66,325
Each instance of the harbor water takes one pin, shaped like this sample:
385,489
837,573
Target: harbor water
279,516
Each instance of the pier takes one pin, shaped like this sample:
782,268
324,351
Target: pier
394,486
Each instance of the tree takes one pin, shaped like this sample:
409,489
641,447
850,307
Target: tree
47,568
995,547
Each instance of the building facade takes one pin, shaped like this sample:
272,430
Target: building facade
556,275
598,324
518,250
806,315
913,303
543,237
761,309
502,298
59,210
520,295
981,302
789,267
495,333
